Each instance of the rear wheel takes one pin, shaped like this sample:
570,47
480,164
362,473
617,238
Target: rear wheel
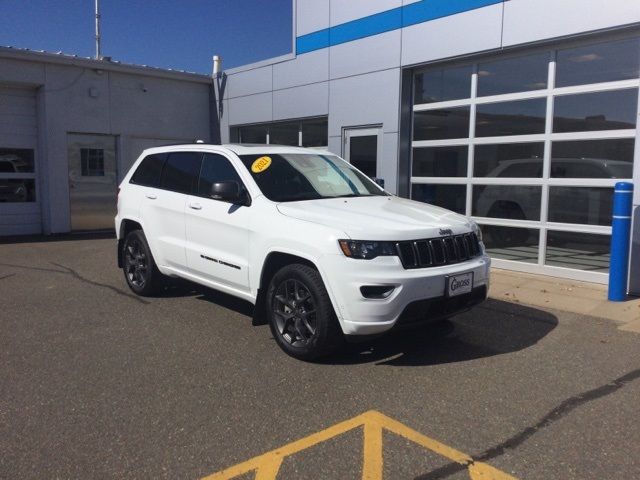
140,270
301,316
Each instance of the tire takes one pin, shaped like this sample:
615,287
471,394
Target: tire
300,313
140,270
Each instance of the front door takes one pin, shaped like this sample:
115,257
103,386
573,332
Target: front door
217,232
92,181
363,148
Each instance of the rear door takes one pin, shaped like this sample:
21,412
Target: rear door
217,231
162,209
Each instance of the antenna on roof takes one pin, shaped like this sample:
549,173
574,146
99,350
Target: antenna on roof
98,53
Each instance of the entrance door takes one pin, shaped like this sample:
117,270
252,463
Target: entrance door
363,148
92,181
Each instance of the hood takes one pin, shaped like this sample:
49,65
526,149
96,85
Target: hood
378,217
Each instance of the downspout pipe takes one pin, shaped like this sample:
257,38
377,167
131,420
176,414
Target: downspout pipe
216,94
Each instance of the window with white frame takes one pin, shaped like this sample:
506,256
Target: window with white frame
531,145
309,132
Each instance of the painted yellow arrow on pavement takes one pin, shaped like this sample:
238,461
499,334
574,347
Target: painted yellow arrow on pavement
267,465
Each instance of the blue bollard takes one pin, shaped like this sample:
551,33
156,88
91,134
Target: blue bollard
620,239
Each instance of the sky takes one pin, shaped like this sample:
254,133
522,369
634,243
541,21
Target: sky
178,34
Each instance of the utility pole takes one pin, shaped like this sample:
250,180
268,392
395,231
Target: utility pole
98,53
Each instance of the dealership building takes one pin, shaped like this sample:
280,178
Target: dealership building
522,114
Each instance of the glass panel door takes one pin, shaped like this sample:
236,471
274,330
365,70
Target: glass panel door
362,148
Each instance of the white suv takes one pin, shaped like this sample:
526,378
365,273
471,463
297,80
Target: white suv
321,250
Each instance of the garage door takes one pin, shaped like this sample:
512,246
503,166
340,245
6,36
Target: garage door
19,195
531,145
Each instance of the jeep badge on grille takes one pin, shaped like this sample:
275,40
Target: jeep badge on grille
446,231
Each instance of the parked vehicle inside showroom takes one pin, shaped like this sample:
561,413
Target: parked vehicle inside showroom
523,203
322,251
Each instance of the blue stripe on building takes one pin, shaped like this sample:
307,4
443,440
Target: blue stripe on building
419,12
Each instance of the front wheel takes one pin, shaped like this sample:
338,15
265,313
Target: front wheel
301,316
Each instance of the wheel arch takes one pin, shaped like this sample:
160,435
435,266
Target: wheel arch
274,261
126,226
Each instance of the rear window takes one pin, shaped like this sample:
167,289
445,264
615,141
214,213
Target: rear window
149,171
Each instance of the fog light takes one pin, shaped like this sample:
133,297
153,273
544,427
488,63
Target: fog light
376,291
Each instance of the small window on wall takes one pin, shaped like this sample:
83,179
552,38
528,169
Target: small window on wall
17,175
92,162
315,132
253,134
311,132
284,133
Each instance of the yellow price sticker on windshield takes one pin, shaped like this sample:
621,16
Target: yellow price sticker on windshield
261,164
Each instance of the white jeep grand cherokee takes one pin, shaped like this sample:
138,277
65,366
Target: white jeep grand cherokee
320,249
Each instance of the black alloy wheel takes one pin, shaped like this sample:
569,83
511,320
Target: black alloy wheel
295,312
136,263
301,315
140,270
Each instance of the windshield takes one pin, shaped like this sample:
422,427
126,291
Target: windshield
294,177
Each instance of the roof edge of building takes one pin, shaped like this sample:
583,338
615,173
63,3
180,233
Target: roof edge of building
109,65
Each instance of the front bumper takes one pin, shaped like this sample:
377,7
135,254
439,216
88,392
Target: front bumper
411,289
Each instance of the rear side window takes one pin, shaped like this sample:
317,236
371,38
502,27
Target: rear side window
215,168
149,171
181,171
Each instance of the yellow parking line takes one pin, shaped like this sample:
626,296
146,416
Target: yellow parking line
288,449
372,462
267,466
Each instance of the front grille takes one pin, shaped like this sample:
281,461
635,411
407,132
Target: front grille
434,252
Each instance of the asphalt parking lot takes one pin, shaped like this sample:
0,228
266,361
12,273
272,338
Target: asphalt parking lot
97,382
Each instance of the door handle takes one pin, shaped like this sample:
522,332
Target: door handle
151,196
195,206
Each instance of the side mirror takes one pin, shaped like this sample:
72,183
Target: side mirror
229,191
379,181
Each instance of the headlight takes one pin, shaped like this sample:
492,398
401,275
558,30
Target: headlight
366,250
477,231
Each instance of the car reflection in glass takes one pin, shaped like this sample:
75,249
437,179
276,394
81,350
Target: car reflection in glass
576,205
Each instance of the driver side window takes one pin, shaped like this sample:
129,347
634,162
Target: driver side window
216,168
